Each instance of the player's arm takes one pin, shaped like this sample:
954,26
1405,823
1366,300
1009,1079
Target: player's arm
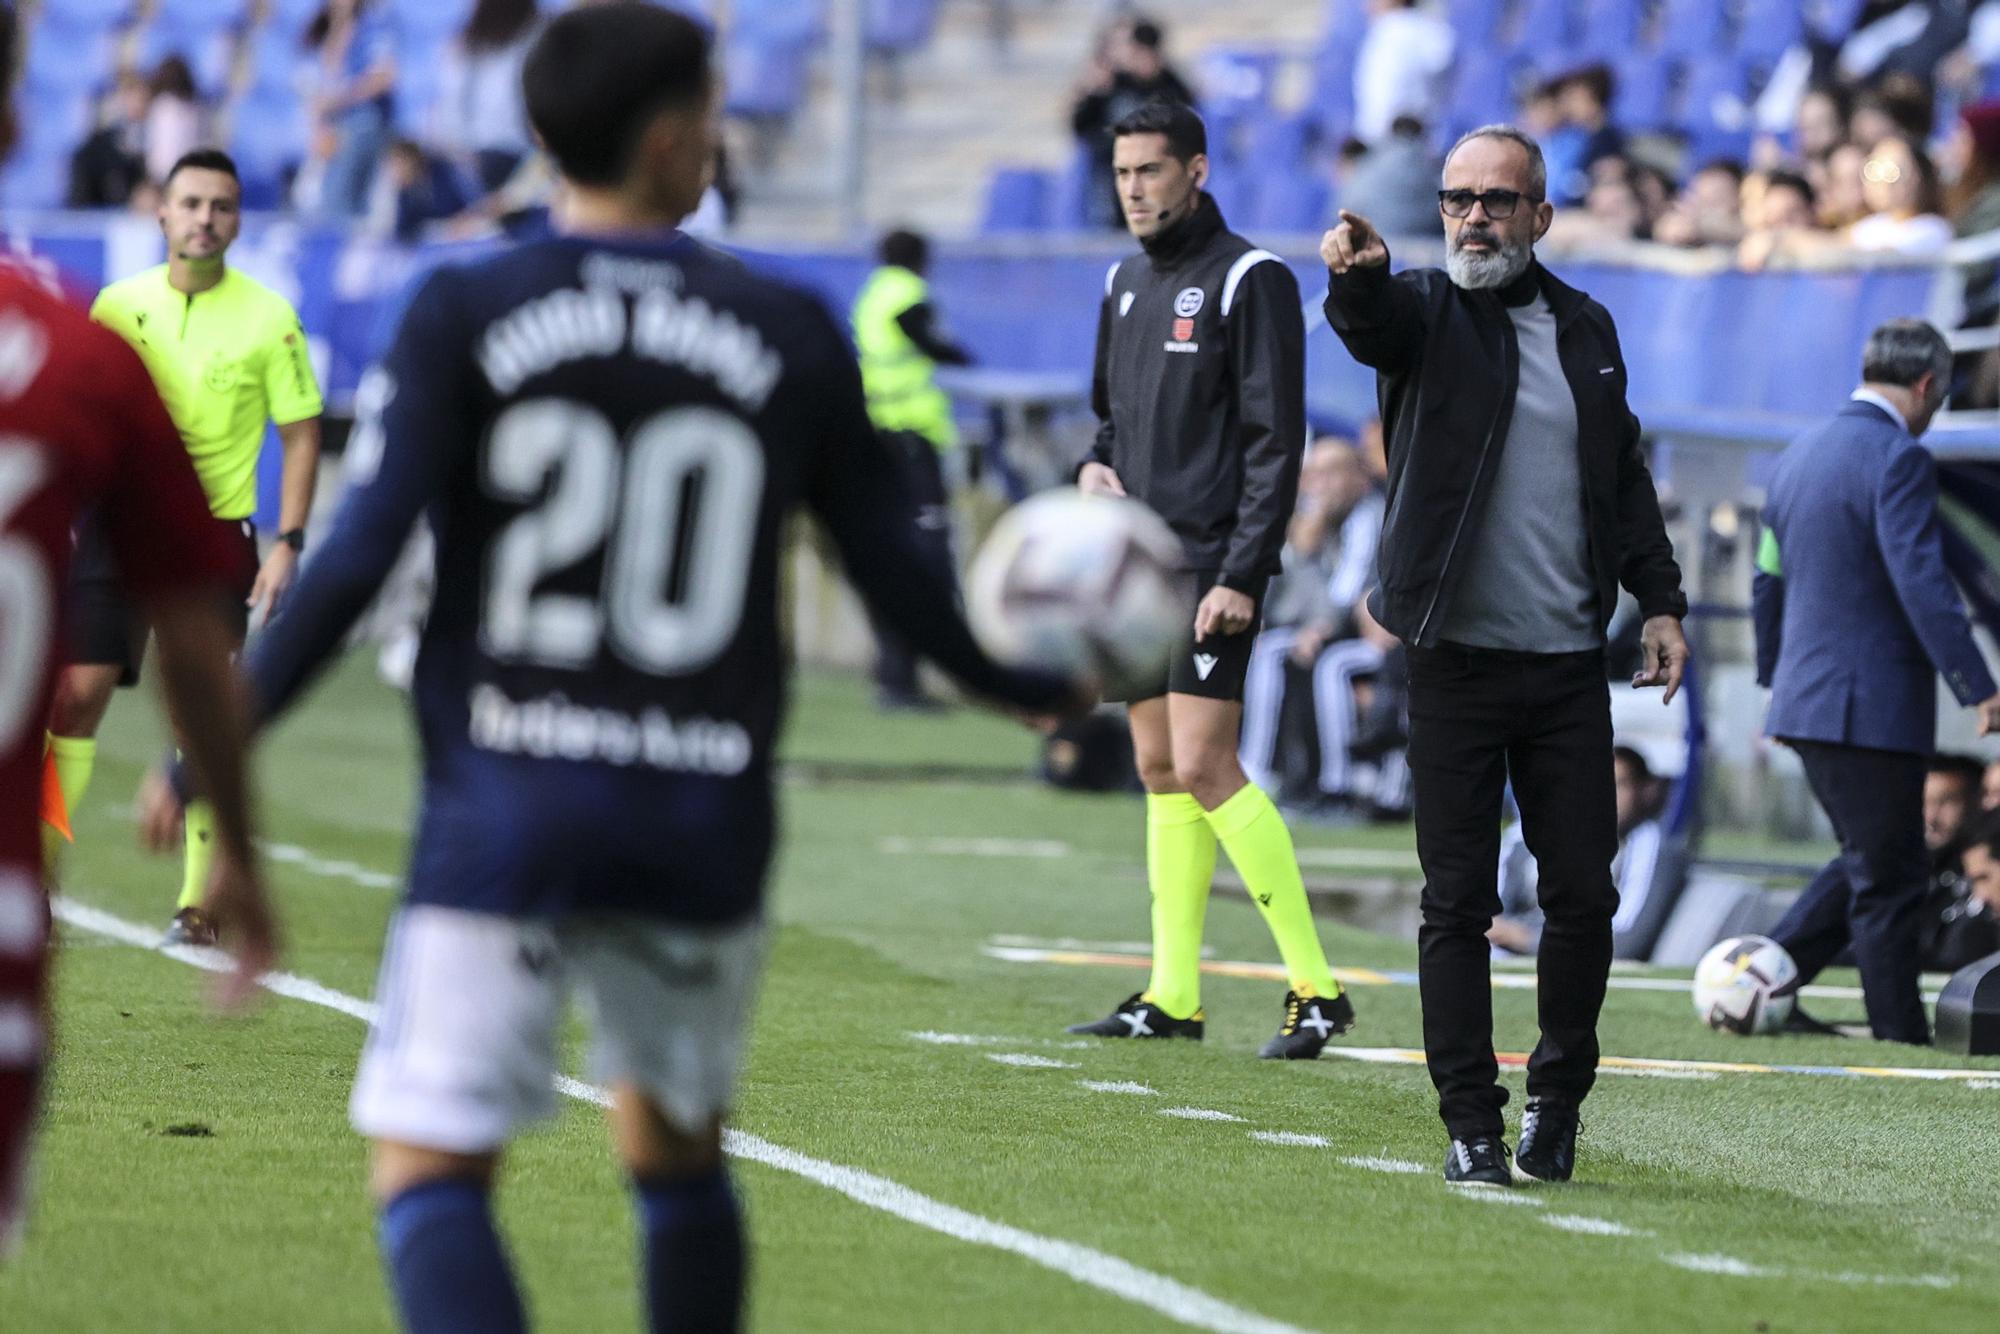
1267,363
857,491
291,393
176,563
409,436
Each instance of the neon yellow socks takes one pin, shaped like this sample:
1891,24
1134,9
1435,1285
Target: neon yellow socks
199,854
75,757
1260,847
1180,863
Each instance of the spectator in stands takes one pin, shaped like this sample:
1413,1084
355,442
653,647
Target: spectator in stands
1395,183
175,121
111,163
1898,107
1641,795
418,189
1784,205
1966,927
352,101
1955,926
1989,787
1837,182
1400,68
1709,211
481,124
1821,125
1130,70
1900,185
1893,42
1587,135
1972,161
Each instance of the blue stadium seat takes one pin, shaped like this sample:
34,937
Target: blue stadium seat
1069,200
1237,82
268,141
1017,200
765,78
291,15
1712,96
429,18
203,15
794,22
1610,29
1482,91
1291,203
1644,90
1692,28
62,59
1768,27
208,52
76,14
1547,31
34,180
899,25
1330,100
1346,21
1475,21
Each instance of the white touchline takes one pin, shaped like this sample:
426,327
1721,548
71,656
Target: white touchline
313,864
937,1039
1396,1165
1039,848
1290,1139
1591,1227
1028,1062
1117,1086
1093,1268
1198,1114
1494,1194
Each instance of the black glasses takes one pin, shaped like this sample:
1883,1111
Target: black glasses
1499,204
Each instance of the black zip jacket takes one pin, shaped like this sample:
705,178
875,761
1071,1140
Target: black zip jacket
1200,388
1447,364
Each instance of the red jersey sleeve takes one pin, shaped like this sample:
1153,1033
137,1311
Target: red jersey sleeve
158,521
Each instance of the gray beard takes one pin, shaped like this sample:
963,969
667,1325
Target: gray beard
1474,271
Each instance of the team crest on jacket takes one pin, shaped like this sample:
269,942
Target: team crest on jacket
1187,304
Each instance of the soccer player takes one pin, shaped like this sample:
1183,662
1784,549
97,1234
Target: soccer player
608,429
80,424
1200,387
227,355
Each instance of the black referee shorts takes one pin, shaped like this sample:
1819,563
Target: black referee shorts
106,629
1215,667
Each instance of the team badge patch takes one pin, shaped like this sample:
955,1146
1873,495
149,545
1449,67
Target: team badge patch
1183,330
1187,304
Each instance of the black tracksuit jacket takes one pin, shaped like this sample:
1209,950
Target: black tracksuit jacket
1447,364
1199,386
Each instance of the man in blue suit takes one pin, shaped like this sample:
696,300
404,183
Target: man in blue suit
1856,618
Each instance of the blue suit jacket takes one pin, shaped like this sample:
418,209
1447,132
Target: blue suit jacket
1856,616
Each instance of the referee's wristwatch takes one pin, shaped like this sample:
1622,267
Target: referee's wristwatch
295,538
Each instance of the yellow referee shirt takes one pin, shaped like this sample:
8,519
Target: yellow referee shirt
225,361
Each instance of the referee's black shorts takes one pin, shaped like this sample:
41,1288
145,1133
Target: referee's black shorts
106,629
1215,667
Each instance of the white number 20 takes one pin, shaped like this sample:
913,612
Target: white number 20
686,512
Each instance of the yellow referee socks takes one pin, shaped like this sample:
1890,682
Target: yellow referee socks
1260,847
75,757
1180,863
199,854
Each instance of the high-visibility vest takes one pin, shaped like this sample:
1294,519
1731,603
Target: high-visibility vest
899,379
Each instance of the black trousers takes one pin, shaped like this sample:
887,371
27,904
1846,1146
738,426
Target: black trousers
1477,719
923,479
1870,895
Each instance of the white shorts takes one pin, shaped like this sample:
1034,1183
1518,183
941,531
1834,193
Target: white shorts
463,1052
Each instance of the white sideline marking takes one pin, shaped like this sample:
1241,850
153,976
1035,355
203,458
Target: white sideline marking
1140,947
1397,1165
1492,1194
1290,1140
1199,1114
314,864
937,1039
1118,1086
1027,1062
1719,1264
1093,1268
1984,1085
1386,859
1038,848
1591,1227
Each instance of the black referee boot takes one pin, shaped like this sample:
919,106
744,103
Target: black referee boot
1480,1160
1140,1018
1548,1140
1309,1022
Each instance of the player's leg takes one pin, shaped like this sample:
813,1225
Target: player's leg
462,1054
670,1006
1180,865
24,935
106,641
198,848
82,697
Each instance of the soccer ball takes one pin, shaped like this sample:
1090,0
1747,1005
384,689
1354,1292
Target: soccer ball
1083,584
1746,985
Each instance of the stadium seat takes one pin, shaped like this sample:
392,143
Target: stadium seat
1482,91
291,16
87,14
203,15
268,141
1546,32
1692,28
1713,97
899,25
794,22
1768,27
1237,82
1476,22
766,78
429,18
1330,100
209,53
1346,22
1017,200
1610,29
1644,90
1069,200
1291,203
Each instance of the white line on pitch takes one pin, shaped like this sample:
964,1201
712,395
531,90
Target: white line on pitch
1199,1114
1034,848
1094,1268
936,1039
1591,1227
1027,1062
1118,1086
1291,1140
1396,1165
1480,1190
313,864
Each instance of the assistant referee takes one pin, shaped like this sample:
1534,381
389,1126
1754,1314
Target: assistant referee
228,355
1200,388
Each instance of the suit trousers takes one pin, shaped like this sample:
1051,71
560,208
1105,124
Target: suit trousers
1868,896
1479,718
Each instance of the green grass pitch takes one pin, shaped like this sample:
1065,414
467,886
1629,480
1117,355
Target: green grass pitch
198,1175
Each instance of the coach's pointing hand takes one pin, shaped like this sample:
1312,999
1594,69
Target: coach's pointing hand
1354,244
1664,654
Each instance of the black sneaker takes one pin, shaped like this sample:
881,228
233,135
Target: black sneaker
1140,1018
1798,1021
191,926
1548,1140
1478,1161
1309,1022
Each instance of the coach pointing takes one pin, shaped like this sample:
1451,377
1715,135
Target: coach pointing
1518,502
